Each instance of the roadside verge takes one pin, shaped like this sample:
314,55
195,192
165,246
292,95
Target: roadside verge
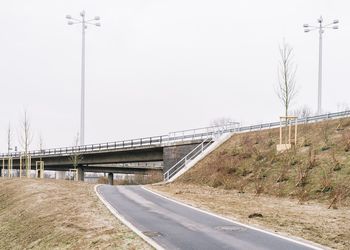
125,222
296,240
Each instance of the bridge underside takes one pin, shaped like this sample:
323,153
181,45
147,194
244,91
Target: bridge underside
116,161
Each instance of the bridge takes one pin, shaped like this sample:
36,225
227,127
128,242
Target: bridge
118,156
172,151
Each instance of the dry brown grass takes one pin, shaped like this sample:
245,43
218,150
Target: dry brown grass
311,220
58,214
249,162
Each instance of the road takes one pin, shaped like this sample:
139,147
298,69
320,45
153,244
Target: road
175,226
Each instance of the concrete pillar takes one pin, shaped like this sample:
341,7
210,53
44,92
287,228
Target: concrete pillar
60,175
80,174
110,178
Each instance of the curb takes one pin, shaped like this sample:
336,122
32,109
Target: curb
239,223
125,222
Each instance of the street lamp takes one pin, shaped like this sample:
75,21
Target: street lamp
84,25
321,28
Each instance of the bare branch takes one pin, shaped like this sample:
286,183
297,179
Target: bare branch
9,138
26,137
286,89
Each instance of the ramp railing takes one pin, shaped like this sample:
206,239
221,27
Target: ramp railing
188,158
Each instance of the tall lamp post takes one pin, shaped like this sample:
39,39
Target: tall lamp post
321,28
84,24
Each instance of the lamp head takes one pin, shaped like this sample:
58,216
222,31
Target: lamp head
320,20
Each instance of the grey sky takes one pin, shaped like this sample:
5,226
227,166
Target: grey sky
159,65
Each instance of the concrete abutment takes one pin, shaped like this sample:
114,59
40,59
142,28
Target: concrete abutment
110,178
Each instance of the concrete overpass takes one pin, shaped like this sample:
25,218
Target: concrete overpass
108,157
169,149
108,160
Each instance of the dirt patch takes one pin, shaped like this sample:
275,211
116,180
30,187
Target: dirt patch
54,214
310,220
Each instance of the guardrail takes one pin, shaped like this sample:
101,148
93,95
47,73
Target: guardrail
304,120
173,137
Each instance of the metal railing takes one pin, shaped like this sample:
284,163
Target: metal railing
202,133
304,120
188,158
173,137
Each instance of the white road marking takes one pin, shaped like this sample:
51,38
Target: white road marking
236,222
127,223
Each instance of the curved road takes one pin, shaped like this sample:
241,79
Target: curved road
176,226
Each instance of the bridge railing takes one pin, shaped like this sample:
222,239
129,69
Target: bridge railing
173,137
202,133
140,142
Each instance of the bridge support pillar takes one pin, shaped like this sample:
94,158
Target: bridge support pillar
80,174
110,178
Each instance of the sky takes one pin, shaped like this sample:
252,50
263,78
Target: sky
156,66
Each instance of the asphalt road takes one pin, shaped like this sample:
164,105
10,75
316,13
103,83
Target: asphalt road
175,226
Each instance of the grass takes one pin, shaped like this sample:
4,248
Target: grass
317,168
57,214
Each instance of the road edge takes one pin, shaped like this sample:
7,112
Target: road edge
309,244
126,222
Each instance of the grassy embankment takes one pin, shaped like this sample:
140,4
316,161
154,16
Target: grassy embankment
304,191
53,214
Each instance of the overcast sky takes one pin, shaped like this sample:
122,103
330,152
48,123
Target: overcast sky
156,66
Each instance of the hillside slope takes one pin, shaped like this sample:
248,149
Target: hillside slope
52,214
317,168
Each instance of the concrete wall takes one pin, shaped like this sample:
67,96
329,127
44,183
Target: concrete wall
173,154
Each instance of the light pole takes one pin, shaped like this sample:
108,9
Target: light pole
84,25
321,28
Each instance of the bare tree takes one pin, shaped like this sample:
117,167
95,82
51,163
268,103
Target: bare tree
222,124
76,157
302,112
9,138
286,89
26,137
41,143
